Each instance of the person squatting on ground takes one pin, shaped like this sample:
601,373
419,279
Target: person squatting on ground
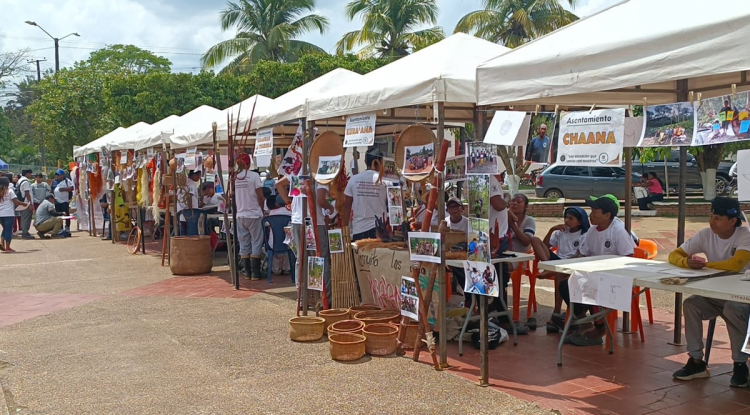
249,198
726,245
47,219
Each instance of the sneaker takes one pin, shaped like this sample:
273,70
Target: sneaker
42,235
693,370
739,376
27,236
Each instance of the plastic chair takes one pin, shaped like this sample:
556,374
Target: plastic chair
642,252
533,275
277,224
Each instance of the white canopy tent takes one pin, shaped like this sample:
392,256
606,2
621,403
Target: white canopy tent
192,126
152,136
443,72
634,50
96,145
111,140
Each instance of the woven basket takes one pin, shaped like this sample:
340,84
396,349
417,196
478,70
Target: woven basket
412,329
190,255
346,326
364,307
381,339
306,329
378,316
347,346
333,315
327,144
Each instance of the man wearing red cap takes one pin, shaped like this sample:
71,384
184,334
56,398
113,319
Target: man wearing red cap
249,198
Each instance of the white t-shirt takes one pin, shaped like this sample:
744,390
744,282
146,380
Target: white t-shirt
423,212
60,196
321,215
24,188
715,248
7,207
567,243
191,187
615,240
297,203
499,218
245,193
461,226
369,200
214,201
528,226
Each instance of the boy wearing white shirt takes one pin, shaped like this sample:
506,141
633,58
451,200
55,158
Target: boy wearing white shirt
366,198
250,211
726,245
187,204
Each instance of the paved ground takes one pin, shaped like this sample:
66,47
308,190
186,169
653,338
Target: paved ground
86,328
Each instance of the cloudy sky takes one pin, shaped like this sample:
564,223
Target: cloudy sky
180,30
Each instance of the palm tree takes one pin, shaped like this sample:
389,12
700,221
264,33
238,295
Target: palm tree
389,27
266,30
515,22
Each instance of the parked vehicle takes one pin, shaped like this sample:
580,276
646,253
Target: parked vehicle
693,182
576,182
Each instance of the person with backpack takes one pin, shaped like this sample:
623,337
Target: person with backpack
24,196
62,188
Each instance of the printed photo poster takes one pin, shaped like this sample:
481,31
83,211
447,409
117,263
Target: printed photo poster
455,168
295,186
478,240
504,127
425,246
481,158
418,160
315,267
328,167
409,298
310,243
668,125
291,163
592,138
481,278
360,130
289,239
479,197
335,241
389,169
722,119
541,131
395,215
395,196
743,175
264,142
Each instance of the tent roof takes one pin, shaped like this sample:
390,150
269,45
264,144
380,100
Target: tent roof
110,140
3,165
150,136
193,125
443,72
292,105
635,49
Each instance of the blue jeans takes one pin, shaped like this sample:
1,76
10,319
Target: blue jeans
7,224
191,217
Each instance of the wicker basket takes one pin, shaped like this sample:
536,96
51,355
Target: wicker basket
190,255
346,326
378,316
347,346
382,339
333,315
412,329
364,307
306,329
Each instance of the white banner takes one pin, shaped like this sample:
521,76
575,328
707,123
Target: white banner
504,128
360,130
743,175
264,142
592,138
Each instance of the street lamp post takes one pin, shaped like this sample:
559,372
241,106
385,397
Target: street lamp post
43,149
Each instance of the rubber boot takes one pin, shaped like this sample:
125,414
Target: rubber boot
255,267
246,266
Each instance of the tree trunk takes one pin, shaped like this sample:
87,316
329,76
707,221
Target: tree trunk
511,172
708,161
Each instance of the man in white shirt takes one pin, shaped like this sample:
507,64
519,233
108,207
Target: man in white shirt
62,188
295,205
24,195
366,198
726,245
188,202
249,198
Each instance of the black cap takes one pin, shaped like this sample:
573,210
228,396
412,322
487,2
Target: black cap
49,196
192,172
726,206
454,200
605,204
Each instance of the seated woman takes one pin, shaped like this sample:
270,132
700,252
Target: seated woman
566,238
655,189
522,227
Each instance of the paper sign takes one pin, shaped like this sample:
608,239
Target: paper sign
481,278
592,138
602,289
123,157
583,288
743,175
425,246
190,159
409,298
504,127
264,142
315,266
150,151
360,130
328,167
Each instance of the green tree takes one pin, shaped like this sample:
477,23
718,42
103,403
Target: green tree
266,30
25,141
127,58
515,22
6,136
13,64
390,28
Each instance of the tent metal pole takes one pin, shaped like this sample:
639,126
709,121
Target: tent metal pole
302,249
682,95
442,289
628,216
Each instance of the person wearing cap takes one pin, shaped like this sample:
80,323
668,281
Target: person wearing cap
62,188
248,195
366,198
566,239
726,246
187,204
607,236
47,218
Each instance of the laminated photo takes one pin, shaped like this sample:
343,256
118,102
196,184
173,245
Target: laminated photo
419,160
481,278
478,247
335,241
668,125
424,246
328,167
315,267
481,158
723,119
